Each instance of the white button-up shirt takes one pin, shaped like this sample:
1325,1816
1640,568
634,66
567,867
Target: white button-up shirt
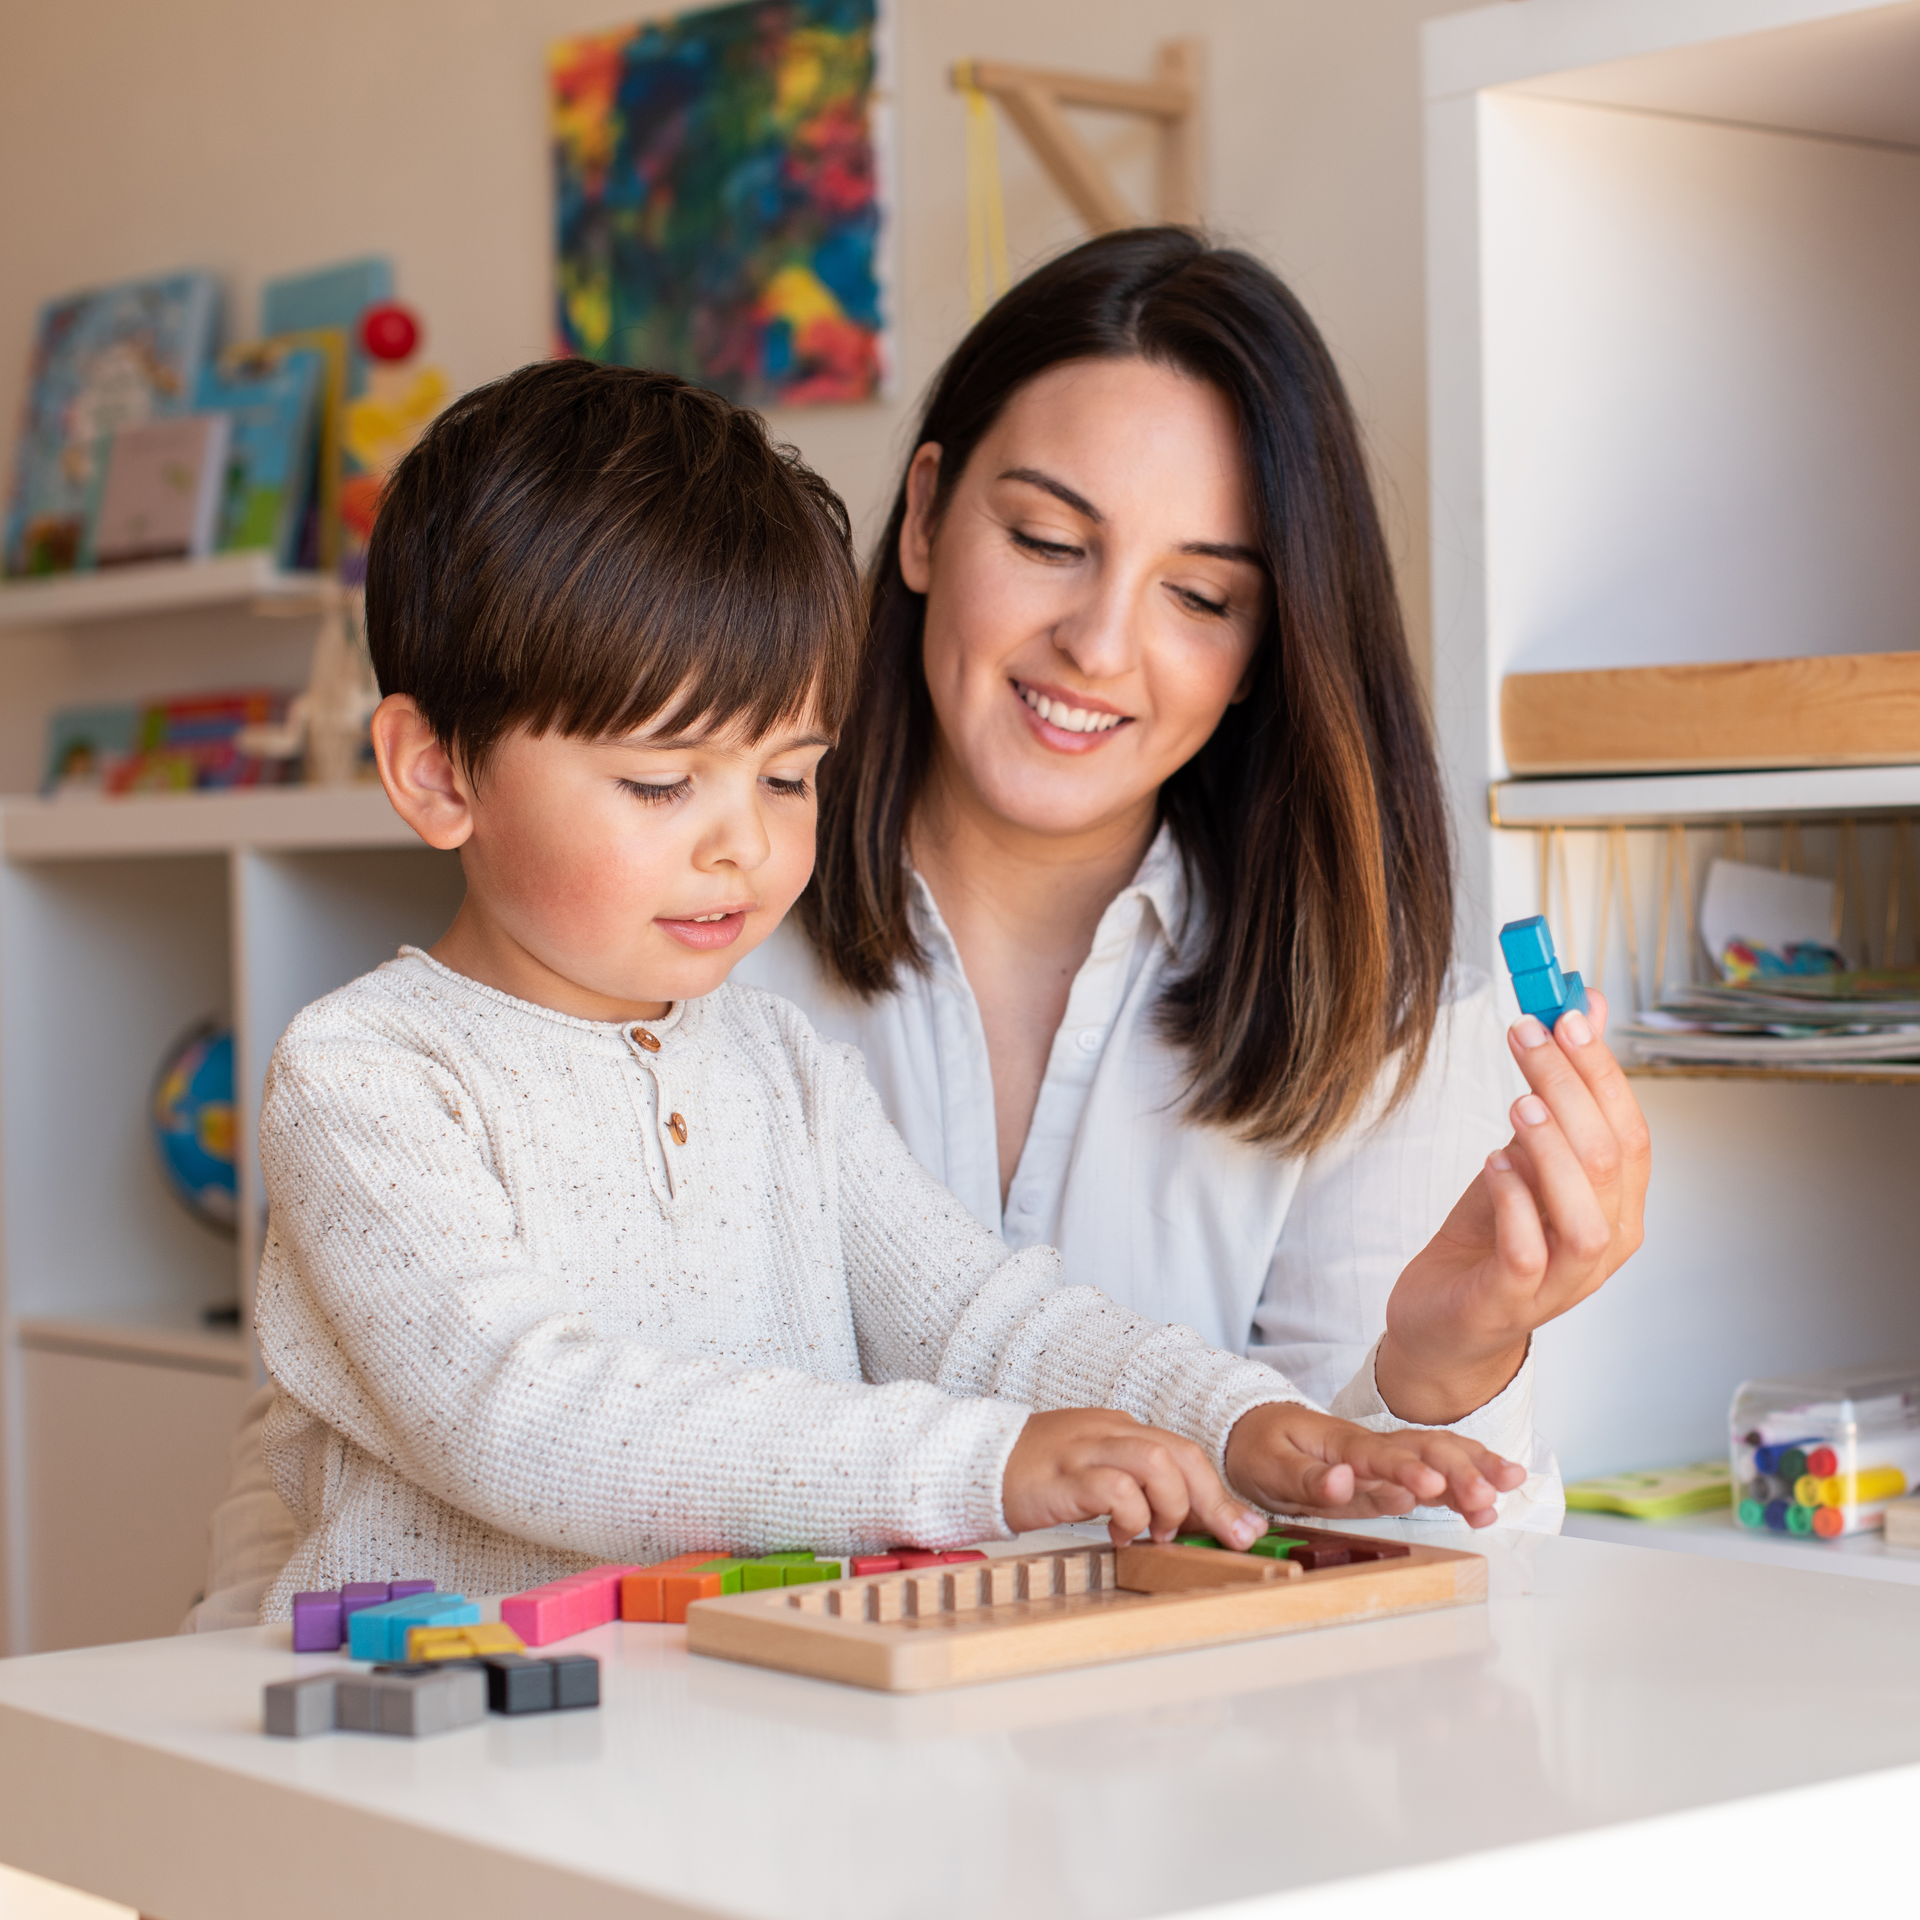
1286,1259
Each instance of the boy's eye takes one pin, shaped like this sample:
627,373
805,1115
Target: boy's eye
1043,549
657,795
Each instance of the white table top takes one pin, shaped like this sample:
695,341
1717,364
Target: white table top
1600,1685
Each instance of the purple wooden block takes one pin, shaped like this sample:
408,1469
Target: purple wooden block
316,1623
406,1589
361,1593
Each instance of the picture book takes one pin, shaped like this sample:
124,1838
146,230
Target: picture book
318,542
116,357
87,747
161,491
271,392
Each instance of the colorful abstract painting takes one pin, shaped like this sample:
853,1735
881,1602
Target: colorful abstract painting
717,201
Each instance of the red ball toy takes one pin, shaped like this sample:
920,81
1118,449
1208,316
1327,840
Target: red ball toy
389,331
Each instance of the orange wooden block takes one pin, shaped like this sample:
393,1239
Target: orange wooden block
681,1590
643,1594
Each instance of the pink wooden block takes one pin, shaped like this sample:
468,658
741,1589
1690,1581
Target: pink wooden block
538,1617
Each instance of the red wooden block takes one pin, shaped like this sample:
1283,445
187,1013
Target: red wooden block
873,1563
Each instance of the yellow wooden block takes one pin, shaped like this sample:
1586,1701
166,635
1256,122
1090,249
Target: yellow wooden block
462,1643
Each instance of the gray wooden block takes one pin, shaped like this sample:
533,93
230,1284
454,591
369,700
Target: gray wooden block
356,1705
419,1706
298,1709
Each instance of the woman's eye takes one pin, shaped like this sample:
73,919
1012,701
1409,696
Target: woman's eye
797,789
1199,603
658,795
1046,549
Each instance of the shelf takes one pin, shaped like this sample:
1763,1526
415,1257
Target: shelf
229,579
1864,1556
1704,798
274,819
188,1344
1892,1073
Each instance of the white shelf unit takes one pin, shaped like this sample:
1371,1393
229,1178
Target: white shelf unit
122,922
1673,258
227,579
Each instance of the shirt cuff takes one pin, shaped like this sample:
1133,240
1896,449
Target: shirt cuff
1504,1425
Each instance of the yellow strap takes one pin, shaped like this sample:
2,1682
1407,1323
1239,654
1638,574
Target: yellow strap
987,274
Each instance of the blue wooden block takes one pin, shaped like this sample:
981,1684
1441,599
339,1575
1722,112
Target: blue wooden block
380,1633
1542,991
1527,944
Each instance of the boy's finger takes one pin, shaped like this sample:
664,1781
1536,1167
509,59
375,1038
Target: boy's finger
1108,1490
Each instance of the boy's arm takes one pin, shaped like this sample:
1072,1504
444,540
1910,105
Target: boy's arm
936,1296
400,1305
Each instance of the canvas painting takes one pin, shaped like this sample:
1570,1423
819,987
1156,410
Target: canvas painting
717,199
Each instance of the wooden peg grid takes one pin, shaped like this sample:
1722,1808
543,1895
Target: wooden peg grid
1036,1613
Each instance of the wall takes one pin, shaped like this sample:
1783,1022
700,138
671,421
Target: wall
260,140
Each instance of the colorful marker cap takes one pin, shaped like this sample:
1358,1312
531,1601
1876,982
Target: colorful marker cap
1793,1463
1752,1513
1822,1461
1799,1519
1777,1515
1829,1522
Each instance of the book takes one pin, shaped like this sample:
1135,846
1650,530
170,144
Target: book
87,747
318,542
192,742
161,491
272,393
114,357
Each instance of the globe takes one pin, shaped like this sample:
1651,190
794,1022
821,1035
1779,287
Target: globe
192,1116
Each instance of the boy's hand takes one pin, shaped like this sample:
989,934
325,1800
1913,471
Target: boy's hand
1292,1457
1089,1461
1552,1214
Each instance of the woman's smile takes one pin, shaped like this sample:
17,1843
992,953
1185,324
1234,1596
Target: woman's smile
1067,722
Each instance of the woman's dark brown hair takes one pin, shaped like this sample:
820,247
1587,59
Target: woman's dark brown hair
1311,823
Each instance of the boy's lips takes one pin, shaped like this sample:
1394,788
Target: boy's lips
707,932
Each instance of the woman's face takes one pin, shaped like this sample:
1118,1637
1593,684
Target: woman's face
1094,594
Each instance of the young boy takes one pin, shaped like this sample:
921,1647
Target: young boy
578,1253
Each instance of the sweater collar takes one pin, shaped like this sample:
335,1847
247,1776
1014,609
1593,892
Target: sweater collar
682,1016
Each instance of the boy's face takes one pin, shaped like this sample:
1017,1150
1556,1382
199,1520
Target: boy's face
606,878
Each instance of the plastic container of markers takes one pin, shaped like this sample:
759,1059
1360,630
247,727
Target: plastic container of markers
1819,1456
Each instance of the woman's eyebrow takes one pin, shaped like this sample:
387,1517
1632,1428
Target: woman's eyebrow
1214,550
1060,491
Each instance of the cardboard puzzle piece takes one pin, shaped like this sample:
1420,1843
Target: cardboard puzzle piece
1538,984
914,1628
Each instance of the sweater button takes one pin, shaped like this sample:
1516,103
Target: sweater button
649,1041
676,1126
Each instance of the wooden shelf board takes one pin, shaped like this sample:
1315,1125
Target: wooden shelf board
1891,1074
273,819
1704,798
120,593
173,1343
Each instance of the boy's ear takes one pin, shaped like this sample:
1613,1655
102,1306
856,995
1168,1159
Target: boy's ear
429,792
916,530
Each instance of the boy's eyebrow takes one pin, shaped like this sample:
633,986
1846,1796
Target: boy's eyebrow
1209,549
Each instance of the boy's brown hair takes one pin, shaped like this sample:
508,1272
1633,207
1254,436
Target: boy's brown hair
581,548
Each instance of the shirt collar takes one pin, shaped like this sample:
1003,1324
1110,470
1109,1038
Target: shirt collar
1160,880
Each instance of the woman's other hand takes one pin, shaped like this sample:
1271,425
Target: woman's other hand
1298,1460
1548,1219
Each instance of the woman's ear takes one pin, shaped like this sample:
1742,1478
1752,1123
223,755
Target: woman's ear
916,531
429,792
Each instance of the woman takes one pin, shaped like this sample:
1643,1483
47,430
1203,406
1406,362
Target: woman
1133,877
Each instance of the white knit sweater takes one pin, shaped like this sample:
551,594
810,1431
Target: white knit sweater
536,1294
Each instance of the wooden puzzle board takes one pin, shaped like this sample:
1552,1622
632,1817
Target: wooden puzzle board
1040,1613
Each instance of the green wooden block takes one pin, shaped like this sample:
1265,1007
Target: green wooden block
799,1557
1276,1546
1195,1540
756,1574
800,1573
731,1572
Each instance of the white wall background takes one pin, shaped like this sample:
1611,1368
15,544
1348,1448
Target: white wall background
257,140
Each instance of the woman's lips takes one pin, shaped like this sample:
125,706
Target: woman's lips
704,935
1086,726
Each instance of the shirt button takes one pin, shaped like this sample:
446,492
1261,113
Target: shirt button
676,1125
649,1041
1089,1041
1025,1204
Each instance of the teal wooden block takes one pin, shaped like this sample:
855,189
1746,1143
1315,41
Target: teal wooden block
380,1633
